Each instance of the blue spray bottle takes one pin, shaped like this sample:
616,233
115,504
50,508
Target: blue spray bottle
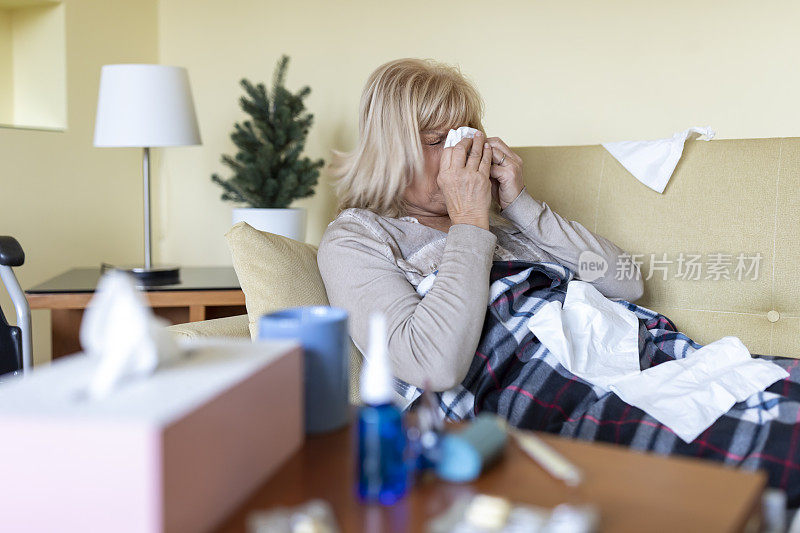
382,472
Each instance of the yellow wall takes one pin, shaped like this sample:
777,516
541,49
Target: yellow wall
6,66
38,73
572,72
68,203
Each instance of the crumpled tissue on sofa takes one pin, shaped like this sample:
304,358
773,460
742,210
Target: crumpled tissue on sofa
597,340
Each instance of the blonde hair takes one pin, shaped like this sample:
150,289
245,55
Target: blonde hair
400,99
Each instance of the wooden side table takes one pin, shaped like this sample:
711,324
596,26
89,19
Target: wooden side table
633,491
203,293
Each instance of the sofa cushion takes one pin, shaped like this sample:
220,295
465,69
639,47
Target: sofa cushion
276,272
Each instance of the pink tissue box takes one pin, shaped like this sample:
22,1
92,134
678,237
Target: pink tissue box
178,451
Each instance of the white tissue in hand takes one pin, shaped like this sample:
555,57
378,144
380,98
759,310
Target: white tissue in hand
120,330
653,162
453,136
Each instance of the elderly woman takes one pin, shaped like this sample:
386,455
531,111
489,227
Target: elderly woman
410,207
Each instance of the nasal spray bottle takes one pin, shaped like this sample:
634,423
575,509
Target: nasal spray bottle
382,472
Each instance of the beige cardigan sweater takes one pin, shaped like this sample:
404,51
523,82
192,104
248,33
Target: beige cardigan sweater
373,263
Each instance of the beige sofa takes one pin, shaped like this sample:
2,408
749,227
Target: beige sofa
728,197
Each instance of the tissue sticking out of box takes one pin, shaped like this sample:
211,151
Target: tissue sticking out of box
120,330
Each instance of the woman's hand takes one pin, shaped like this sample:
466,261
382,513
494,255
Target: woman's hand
464,181
506,172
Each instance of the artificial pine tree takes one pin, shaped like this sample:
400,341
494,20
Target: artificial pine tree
268,170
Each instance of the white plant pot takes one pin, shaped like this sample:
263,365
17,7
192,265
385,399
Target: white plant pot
290,222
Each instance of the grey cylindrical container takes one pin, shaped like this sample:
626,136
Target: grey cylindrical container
322,331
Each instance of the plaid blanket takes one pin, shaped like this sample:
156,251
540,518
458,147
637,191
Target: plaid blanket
515,376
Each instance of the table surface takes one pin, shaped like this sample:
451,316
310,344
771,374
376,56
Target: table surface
84,280
633,491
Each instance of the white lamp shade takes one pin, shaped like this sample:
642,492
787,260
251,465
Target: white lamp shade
144,106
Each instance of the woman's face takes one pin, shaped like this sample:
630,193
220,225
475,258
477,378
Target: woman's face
423,196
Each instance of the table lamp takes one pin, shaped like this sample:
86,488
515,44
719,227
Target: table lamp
146,106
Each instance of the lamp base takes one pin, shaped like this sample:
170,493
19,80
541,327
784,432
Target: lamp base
149,277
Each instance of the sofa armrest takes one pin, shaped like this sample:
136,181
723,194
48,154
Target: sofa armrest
233,326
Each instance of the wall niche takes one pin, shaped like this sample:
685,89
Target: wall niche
33,92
